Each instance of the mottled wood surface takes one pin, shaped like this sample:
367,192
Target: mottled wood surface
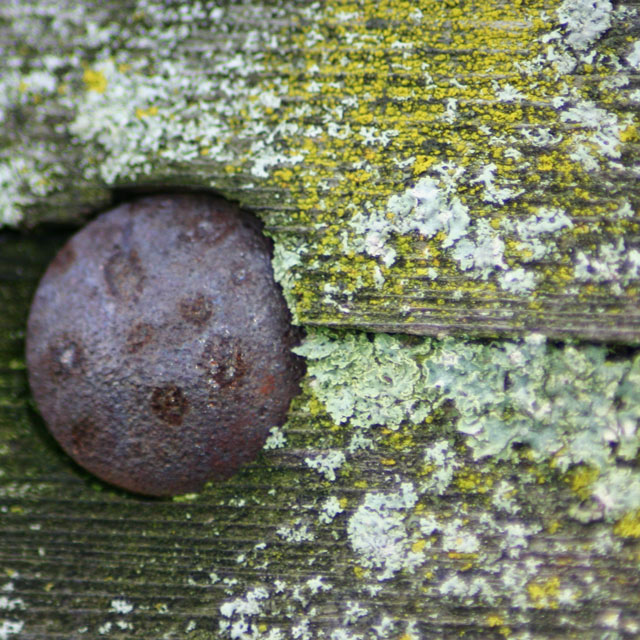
74,551
315,114
520,548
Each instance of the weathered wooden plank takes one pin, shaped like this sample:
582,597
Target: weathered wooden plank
425,487
425,169
393,530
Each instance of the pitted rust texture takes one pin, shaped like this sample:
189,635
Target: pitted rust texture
158,344
169,404
124,274
197,310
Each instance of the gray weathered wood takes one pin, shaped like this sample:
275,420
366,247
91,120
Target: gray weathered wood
310,115
314,114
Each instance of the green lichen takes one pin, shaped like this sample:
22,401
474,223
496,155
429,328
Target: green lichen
572,404
367,380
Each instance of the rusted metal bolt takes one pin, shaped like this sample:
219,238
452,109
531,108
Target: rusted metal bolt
158,344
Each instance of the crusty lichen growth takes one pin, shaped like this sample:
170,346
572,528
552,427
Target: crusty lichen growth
481,157
408,152
484,171
469,458
451,516
568,405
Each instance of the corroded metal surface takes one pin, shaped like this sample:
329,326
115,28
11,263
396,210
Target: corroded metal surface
158,344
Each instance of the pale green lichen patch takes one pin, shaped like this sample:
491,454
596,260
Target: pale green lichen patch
369,382
572,405
476,456
585,20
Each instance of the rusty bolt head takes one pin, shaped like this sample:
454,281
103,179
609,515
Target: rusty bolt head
158,344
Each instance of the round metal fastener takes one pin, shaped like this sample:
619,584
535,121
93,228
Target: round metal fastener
159,344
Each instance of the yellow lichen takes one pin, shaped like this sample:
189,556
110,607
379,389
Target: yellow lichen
144,113
94,80
581,479
469,480
384,131
544,594
495,620
418,545
629,525
554,526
